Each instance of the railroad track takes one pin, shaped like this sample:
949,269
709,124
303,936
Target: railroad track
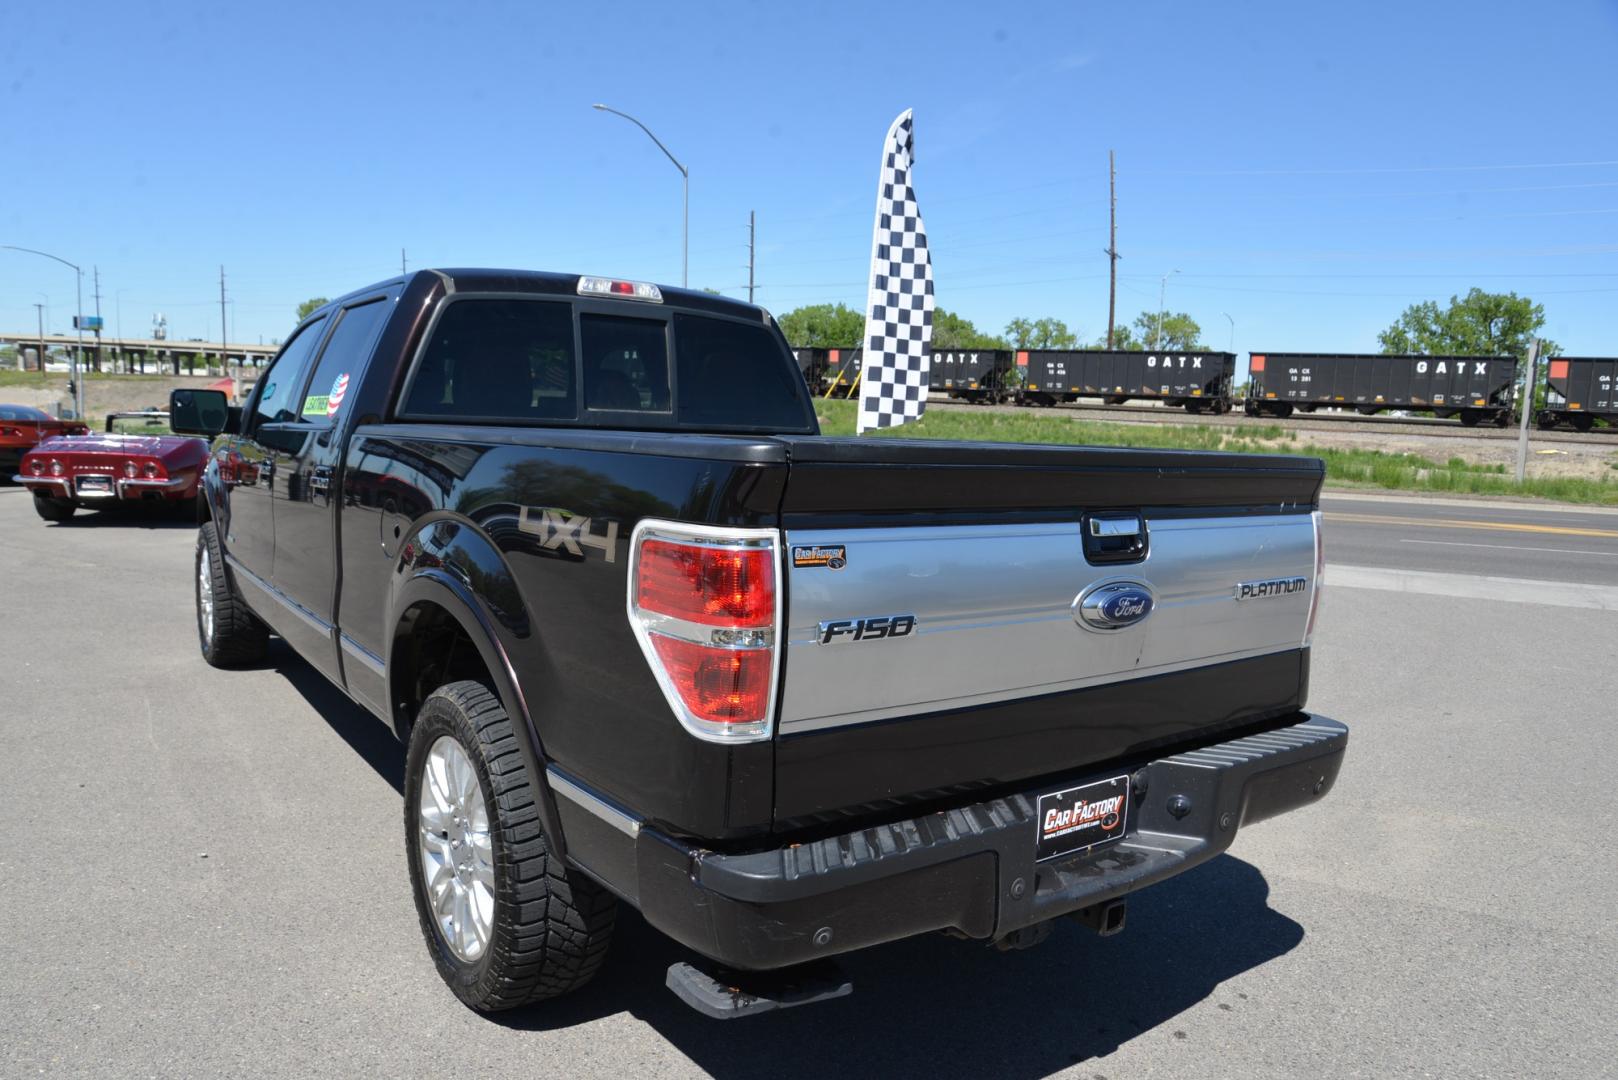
1447,429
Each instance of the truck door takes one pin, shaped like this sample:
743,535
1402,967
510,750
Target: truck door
247,462
306,488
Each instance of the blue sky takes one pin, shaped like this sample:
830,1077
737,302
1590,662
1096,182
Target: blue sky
1309,170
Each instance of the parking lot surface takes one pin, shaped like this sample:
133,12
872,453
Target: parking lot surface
205,876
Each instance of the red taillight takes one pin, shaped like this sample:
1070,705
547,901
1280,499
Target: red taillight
703,605
1318,583
710,585
151,470
721,686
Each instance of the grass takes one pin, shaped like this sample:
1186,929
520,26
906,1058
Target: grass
33,379
1344,467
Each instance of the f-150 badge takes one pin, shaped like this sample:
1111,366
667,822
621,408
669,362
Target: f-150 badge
559,529
875,628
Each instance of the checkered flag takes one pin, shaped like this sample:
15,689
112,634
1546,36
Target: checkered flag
899,306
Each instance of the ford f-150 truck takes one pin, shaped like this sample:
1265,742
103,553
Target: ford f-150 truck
651,639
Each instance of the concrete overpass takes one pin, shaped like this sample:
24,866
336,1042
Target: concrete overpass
135,355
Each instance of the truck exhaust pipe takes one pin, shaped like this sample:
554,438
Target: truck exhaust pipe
1105,919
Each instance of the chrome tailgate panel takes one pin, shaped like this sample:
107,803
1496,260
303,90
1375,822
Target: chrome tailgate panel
994,620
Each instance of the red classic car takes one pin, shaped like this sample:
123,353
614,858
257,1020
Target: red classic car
23,427
111,470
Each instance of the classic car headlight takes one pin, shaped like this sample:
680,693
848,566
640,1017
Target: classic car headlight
56,467
129,469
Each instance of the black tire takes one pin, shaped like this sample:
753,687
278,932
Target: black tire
550,926
184,509
236,636
53,509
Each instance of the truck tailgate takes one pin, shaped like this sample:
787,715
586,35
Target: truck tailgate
935,634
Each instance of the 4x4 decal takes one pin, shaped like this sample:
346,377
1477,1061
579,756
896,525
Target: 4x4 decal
568,531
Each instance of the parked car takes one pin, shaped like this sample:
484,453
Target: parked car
22,427
652,639
110,470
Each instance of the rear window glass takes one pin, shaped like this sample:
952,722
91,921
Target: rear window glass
626,363
498,359
733,374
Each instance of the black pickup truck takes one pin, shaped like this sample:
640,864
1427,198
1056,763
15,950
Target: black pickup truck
651,638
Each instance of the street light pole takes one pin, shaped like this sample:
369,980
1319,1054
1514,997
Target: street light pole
685,174
1162,291
78,323
1232,346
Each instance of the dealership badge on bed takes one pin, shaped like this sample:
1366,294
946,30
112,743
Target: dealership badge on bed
899,304
339,390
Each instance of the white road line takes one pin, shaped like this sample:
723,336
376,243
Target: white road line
1513,547
1474,587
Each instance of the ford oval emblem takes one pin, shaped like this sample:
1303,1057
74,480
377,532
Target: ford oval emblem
1113,605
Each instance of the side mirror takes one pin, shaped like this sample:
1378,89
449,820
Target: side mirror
198,412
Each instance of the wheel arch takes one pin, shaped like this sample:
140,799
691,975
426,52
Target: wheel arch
430,604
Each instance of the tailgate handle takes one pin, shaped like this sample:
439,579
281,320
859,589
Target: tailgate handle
1129,526
1113,537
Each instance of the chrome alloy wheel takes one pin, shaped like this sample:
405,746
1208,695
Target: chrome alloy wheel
205,595
457,852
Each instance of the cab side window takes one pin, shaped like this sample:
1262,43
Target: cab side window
284,379
342,361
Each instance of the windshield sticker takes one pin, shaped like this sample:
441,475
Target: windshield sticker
314,405
339,390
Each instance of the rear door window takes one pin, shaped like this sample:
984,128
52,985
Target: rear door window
626,364
337,374
733,374
497,359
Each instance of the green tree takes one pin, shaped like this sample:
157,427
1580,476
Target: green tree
1172,330
1123,339
308,306
1478,324
823,326
1040,334
950,331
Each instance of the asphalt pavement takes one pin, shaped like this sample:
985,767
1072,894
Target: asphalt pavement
1474,538
204,870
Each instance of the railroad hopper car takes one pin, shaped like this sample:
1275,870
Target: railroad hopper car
972,374
1579,390
1196,381
1478,389
829,372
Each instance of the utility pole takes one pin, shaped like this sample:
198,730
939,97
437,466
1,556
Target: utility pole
96,272
224,335
404,268
1526,404
751,222
39,311
1112,243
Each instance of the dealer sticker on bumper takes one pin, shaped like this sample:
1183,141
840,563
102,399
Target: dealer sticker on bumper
1082,817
